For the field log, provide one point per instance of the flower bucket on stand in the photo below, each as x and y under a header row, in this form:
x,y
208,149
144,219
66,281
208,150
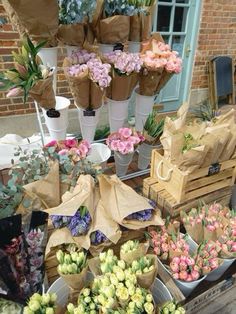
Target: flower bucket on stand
x,y
118,113
99,154
88,123
49,57
145,154
105,48
143,107
122,163
57,125
134,46
218,272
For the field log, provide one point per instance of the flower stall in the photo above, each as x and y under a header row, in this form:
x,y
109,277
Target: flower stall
x,y
75,235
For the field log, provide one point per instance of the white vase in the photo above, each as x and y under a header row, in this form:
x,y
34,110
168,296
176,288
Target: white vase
x,y
71,49
88,124
105,48
99,154
145,154
143,107
122,163
57,126
134,46
218,272
118,113
49,58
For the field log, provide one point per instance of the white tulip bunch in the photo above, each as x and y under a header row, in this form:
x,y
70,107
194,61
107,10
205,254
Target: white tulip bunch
x,y
41,304
129,247
86,304
171,308
107,261
142,266
71,263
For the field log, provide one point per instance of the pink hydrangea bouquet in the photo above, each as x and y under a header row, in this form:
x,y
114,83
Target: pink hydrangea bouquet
x,y
88,78
124,141
159,64
125,69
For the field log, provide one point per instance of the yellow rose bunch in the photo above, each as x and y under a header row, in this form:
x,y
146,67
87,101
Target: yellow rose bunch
x,y
41,304
86,304
142,266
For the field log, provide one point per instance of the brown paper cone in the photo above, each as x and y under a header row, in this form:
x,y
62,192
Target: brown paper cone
x,y
72,34
196,232
122,86
209,235
148,83
76,281
146,280
135,28
146,21
114,29
136,254
211,142
96,95
124,201
43,93
166,76
48,188
94,266
38,18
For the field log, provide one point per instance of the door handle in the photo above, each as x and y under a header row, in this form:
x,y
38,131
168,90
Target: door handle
x,y
187,50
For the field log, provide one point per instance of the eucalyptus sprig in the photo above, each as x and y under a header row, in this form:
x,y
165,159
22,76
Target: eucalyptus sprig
x,y
153,129
27,71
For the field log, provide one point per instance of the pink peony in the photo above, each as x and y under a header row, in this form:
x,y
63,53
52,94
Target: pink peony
x,y
83,149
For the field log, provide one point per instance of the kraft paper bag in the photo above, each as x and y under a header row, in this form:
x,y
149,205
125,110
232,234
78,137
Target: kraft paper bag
x,y
172,145
146,280
192,159
72,34
149,81
42,92
136,254
122,86
196,231
114,29
120,201
229,149
39,18
47,188
76,281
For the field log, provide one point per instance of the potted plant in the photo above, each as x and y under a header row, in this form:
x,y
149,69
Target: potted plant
x,y
152,131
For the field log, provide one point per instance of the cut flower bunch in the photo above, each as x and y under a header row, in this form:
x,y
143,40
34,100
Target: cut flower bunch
x,y
41,304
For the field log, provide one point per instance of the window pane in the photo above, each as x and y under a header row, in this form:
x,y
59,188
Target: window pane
x,y
166,38
178,44
180,19
166,0
163,18
182,1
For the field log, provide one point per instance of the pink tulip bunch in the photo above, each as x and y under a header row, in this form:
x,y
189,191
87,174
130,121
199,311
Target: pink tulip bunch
x,y
70,147
124,62
163,243
185,268
124,141
227,242
207,257
87,64
193,218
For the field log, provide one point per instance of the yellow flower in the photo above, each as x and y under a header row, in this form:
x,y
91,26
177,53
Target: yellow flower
x,y
137,297
27,310
123,294
114,280
34,305
120,275
149,308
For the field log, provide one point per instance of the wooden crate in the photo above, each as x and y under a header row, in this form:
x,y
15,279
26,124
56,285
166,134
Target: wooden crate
x,y
170,207
185,187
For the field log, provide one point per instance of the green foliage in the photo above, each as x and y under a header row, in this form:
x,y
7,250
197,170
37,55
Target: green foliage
x,y
205,112
153,128
189,143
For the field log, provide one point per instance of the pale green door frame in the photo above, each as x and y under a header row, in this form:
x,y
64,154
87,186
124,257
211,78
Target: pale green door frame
x,y
178,22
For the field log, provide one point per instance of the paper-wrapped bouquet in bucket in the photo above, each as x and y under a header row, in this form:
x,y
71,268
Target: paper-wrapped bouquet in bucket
x,y
88,79
29,77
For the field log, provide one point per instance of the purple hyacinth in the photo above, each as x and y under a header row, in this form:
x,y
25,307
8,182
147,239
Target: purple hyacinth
x,y
79,223
60,221
143,215
98,237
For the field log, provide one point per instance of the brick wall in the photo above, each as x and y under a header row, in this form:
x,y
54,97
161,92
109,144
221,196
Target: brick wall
x,y
217,36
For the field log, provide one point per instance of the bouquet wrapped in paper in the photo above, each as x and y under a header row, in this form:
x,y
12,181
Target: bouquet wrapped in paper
x,y
125,69
30,77
38,19
73,18
88,79
159,64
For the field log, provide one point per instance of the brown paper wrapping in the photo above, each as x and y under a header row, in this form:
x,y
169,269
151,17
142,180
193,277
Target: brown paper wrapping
x,y
119,201
196,232
76,281
146,280
140,27
221,261
72,34
43,93
47,188
166,76
86,93
209,235
136,254
94,266
192,159
39,19
148,82
229,149
122,86
114,29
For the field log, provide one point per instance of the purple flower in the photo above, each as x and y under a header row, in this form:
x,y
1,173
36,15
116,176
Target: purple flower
x,y
143,215
98,237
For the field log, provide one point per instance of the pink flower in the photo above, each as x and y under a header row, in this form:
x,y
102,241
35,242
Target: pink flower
x,y
190,261
214,263
183,266
125,132
83,149
189,278
175,276
51,144
174,267
182,258
176,260
210,227
71,143
165,247
63,152
157,251
195,275
14,92
183,275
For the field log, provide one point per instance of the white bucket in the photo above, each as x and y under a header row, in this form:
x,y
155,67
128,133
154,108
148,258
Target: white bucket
x,y
143,107
105,48
49,57
134,47
99,154
63,291
160,292
145,153
71,49
218,272
57,126
88,124
122,163
118,114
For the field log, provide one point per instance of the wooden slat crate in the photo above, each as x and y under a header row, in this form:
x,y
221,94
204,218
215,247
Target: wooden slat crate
x,y
185,187
169,206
